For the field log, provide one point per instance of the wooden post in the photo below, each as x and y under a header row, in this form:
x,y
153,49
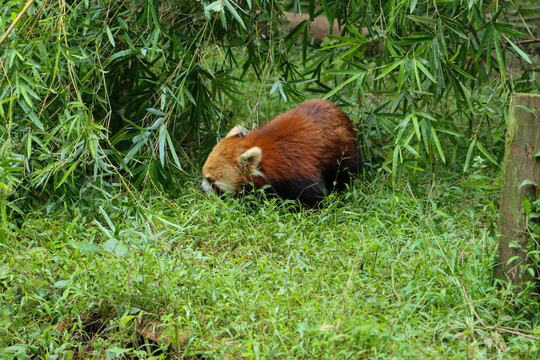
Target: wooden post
x,y
520,163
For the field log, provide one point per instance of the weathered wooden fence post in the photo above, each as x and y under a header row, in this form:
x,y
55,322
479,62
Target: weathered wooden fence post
x,y
520,163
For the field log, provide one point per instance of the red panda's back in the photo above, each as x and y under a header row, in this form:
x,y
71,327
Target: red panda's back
x,y
304,141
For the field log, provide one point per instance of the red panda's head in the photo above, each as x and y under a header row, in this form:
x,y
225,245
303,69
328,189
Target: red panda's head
x,y
230,165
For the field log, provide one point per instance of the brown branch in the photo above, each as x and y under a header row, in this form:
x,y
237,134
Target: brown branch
x,y
26,6
531,41
510,331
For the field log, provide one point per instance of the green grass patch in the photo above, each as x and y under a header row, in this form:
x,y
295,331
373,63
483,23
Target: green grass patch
x,y
376,273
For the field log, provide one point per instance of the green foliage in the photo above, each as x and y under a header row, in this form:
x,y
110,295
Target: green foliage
x,y
531,207
376,274
105,94
441,78
101,94
107,107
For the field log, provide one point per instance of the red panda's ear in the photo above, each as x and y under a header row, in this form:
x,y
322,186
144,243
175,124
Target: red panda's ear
x,y
251,157
237,130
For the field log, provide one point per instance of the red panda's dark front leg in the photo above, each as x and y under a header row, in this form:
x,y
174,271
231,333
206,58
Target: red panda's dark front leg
x,y
308,191
337,176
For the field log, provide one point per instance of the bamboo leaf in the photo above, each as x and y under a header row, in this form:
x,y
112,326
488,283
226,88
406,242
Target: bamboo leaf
x,y
519,51
525,108
449,132
426,116
411,149
357,34
161,140
125,54
31,114
454,26
108,220
423,20
486,153
412,6
282,92
155,41
110,35
155,112
486,39
395,163
469,154
460,71
216,6
234,13
415,39
343,84
327,11
388,68
507,29
172,150
426,72
223,19
438,144
424,128
512,259
417,76
416,127
156,123
401,76
274,87
67,173
350,53
500,57
22,89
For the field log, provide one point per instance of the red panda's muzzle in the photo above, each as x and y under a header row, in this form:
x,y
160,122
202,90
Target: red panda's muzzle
x,y
210,187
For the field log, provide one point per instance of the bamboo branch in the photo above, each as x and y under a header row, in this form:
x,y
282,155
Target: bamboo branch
x,y
26,6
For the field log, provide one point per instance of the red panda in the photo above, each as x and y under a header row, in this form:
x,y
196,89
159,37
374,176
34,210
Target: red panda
x,y
304,153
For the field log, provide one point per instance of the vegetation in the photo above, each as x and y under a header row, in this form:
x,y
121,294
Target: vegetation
x,y
108,250
101,94
374,274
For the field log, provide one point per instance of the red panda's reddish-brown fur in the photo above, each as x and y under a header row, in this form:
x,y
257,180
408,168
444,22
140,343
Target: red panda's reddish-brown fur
x,y
303,153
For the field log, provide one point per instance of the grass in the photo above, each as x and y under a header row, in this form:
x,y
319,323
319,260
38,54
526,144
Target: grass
x,y
376,273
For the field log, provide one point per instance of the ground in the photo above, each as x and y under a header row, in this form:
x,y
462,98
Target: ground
x,y
381,271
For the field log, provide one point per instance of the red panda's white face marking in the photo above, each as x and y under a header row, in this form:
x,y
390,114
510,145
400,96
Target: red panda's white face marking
x,y
219,173
210,186
228,166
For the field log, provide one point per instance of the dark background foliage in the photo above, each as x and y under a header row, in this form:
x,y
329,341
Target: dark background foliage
x,y
100,95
